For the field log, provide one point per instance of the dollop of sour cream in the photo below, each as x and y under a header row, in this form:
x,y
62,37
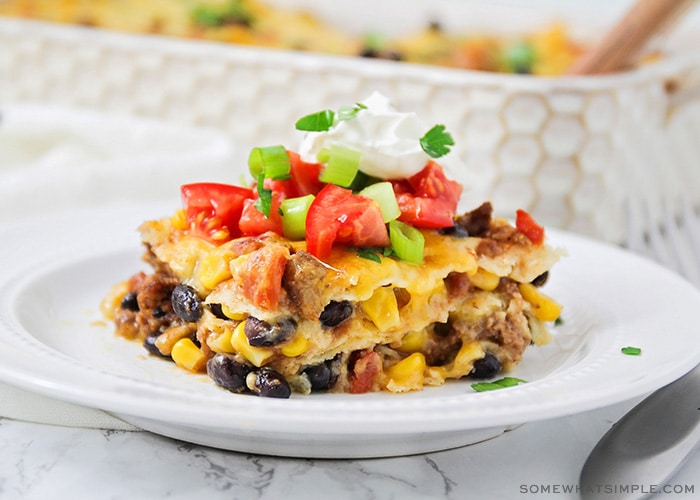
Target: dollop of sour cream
x,y
388,140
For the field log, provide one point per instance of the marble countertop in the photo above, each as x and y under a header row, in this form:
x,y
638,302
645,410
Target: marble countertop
x,y
539,459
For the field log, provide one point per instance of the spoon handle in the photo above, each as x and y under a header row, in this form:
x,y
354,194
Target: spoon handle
x,y
649,444
623,43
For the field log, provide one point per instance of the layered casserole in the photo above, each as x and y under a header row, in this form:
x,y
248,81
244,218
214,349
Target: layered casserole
x,y
343,267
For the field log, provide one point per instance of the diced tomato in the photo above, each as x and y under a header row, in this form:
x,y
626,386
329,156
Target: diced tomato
x,y
262,280
529,227
428,199
431,182
365,368
338,215
213,209
424,212
253,222
305,175
303,178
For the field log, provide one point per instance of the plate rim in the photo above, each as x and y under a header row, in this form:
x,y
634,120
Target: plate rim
x,y
137,400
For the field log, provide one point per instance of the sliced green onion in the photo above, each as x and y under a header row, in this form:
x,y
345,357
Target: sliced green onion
x,y
631,351
294,212
343,164
497,384
436,142
316,122
406,241
383,194
273,161
323,155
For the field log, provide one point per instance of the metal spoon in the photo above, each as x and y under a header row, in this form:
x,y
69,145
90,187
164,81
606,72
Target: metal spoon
x,y
643,450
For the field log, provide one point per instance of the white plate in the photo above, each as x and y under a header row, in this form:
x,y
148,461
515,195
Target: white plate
x,y
56,271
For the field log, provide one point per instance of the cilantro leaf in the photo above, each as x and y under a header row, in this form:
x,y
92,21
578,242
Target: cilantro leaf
x,y
369,254
436,142
350,112
316,122
264,201
497,384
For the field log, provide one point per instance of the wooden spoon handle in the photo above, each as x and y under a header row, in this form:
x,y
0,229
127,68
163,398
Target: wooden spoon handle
x,y
622,45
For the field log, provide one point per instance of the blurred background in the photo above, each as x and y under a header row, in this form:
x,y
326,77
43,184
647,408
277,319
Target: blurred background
x,y
580,152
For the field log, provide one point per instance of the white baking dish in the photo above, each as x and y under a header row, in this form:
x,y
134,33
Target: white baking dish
x,y
575,151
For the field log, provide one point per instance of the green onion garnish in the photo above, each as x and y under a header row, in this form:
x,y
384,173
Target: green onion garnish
x,y
436,142
383,194
294,212
520,57
212,16
497,384
350,112
272,161
264,201
631,351
406,241
342,166
316,122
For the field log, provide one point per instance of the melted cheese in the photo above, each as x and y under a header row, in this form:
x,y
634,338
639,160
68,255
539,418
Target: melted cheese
x,y
352,277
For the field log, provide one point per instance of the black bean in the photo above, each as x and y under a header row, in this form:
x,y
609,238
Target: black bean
x,y
271,384
226,371
456,231
442,329
335,313
217,311
541,279
320,376
130,302
149,344
369,52
186,304
263,334
195,339
158,312
486,367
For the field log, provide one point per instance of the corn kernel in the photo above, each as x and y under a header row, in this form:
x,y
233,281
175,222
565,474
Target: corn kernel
x,y
179,220
221,342
539,331
413,341
383,309
237,316
113,299
462,364
167,340
298,345
543,307
464,361
239,342
212,270
188,356
407,374
485,280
